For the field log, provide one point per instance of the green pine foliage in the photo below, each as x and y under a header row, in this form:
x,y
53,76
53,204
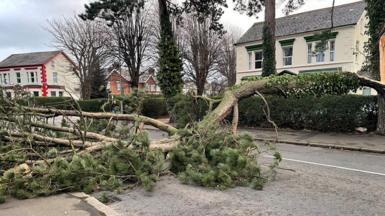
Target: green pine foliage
x,y
111,169
170,62
213,157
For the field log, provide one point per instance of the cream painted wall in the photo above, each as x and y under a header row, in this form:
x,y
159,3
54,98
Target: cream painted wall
x,y
344,55
59,64
360,40
66,76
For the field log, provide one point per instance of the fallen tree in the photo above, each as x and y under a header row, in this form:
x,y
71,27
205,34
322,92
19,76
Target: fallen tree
x,y
32,149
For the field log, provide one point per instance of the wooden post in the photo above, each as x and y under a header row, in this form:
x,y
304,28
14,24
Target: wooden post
x,y
382,58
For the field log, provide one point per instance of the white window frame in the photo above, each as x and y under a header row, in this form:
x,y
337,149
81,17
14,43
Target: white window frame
x,y
318,55
6,79
53,94
32,75
38,93
54,77
118,84
309,53
251,62
259,60
18,77
287,57
332,53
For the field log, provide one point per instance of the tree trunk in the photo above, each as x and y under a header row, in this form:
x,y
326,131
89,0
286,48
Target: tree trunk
x,y
381,114
200,83
269,61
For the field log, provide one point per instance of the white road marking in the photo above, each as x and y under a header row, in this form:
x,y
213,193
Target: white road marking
x,y
328,165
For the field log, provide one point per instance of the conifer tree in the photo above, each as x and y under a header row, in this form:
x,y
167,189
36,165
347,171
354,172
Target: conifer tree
x,y
170,62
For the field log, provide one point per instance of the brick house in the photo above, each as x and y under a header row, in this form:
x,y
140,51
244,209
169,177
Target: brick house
x,y
40,73
119,80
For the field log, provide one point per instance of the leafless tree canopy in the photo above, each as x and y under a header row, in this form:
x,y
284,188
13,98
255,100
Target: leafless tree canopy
x,y
132,41
227,62
202,51
85,41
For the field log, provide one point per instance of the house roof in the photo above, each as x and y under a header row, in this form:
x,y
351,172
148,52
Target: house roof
x,y
347,14
34,58
125,74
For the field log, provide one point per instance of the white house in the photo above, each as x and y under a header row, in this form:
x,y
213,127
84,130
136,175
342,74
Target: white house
x,y
297,37
40,73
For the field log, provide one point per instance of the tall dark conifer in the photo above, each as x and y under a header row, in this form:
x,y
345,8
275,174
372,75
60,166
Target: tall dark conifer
x,y
170,62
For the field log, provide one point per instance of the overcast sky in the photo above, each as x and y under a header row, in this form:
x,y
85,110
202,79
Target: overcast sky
x,y
23,22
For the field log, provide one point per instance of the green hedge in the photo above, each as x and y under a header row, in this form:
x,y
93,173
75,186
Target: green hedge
x,y
329,113
152,105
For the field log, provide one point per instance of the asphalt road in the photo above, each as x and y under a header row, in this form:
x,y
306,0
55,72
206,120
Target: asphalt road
x,y
312,181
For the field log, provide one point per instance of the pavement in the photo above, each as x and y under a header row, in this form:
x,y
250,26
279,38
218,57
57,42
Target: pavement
x,y
74,204
353,142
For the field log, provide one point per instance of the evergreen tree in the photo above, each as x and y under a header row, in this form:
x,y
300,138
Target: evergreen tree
x,y
170,62
99,84
376,16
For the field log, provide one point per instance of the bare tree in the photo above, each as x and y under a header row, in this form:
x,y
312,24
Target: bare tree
x,y
85,42
227,62
132,39
202,51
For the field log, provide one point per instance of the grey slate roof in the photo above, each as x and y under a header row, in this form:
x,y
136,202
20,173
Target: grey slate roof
x,y
34,58
347,14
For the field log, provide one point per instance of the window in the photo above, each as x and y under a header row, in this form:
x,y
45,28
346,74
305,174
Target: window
x,y
8,95
53,94
287,55
258,59
118,85
250,60
309,53
320,55
366,91
54,77
332,45
1,78
36,93
32,77
60,94
18,77
6,78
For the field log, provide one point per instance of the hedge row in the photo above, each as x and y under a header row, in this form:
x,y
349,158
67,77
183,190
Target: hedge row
x,y
152,106
329,113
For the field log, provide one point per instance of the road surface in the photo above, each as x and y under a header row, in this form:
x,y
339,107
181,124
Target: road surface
x,y
323,182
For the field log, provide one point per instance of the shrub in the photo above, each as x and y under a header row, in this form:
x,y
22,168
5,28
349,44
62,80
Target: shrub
x,y
187,109
154,106
328,113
